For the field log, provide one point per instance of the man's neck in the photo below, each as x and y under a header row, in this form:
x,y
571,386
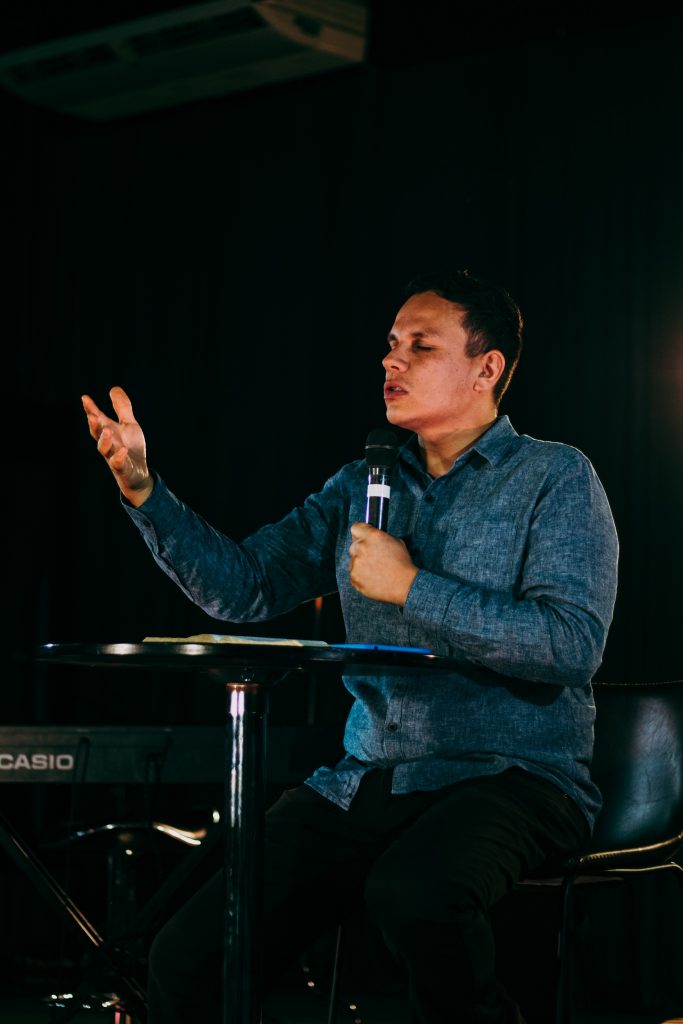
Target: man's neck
x,y
440,453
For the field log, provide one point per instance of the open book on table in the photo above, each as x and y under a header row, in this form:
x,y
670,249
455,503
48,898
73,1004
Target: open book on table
x,y
219,638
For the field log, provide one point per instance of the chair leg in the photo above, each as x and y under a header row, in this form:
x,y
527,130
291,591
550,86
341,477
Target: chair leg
x,y
336,972
565,953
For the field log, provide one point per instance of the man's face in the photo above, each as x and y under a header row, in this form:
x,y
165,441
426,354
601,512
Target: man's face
x,y
430,384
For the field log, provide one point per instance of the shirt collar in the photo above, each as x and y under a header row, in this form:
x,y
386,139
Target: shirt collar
x,y
494,442
492,445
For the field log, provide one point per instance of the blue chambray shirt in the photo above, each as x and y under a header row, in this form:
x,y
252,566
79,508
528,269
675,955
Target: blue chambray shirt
x,y
517,555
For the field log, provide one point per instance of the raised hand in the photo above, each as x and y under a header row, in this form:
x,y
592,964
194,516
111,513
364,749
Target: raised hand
x,y
122,443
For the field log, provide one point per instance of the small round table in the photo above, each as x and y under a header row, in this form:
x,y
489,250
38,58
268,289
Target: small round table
x,y
247,671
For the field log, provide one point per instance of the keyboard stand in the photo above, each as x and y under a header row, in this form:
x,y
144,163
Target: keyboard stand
x,y
109,956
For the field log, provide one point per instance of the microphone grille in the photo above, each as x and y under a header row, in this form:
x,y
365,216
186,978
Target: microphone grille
x,y
381,448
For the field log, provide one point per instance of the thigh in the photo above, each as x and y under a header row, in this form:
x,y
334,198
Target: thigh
x,y
316,858
478,839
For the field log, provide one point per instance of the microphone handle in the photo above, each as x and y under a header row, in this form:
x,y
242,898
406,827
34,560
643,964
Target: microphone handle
x,y
379,491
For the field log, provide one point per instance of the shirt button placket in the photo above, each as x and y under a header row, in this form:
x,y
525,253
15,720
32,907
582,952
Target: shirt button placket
x,y
392,738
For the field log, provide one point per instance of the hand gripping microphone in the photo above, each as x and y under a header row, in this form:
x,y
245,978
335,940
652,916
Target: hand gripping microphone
x,y
381,453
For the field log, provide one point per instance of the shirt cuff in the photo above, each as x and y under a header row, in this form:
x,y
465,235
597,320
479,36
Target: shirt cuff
x,y
426,604
159,514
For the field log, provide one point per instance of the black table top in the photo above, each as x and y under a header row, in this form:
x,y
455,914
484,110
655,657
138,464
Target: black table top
x,y
244,661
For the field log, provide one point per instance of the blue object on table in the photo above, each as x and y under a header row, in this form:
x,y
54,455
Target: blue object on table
x,y
384,647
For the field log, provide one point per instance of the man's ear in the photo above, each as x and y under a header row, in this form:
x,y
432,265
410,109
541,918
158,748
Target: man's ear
x,y
492,368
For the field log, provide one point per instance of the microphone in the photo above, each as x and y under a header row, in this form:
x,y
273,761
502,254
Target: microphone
x,y
381,453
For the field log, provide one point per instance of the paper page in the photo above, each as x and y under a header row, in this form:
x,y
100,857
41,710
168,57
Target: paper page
x,y
218,638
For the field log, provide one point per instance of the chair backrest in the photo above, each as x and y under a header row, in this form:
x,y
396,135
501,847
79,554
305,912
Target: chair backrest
x,y
638,763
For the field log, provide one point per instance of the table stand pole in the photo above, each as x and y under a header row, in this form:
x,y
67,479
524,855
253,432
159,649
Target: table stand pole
x,y
247,706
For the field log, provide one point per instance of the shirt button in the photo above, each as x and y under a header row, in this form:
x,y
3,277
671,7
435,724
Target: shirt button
x,y
392,726
429,499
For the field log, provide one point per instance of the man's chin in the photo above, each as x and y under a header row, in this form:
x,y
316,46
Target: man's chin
x,y
394,417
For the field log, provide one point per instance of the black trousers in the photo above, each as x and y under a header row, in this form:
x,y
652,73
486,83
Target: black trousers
x,y
429,865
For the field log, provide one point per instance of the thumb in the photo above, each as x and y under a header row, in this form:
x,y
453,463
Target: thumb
x,y
122,405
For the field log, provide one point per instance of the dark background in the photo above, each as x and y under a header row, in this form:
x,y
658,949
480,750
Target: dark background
x,y
235,265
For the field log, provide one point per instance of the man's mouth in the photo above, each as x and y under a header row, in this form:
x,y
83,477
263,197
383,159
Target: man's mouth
x,y
392,390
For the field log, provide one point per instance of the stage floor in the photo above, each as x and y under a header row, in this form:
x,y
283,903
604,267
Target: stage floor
x,y
285,1007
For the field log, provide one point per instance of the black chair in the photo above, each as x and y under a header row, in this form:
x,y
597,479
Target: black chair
x,y
638,765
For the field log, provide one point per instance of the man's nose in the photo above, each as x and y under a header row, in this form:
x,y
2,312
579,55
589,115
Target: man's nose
x,y
395,360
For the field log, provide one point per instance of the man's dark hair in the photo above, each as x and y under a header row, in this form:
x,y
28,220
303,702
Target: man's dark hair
x,y
492,318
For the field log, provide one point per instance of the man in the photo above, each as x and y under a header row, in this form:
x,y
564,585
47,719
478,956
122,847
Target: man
x,y
501,553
